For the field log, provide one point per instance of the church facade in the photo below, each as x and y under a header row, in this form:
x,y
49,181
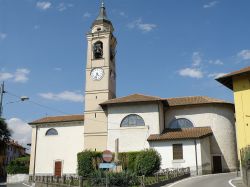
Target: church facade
x,y
196,132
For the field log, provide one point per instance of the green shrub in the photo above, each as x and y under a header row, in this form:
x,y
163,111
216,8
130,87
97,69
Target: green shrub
x,y
88,161
127,160
19,166
147,162
125,178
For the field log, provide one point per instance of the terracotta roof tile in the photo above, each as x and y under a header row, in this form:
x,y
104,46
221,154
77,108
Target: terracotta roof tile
x,y
132,99
53,119
194,100
227,79
175,134
170,101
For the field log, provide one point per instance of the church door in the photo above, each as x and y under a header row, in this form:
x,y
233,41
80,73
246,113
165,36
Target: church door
x,y
58,168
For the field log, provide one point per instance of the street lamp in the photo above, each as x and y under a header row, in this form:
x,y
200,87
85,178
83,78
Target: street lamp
x,y
2,91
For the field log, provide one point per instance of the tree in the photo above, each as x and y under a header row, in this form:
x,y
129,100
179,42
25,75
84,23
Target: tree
x,y
5,134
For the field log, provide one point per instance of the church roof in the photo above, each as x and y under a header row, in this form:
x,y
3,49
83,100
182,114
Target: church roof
x,y
194,100
188,133
227,80
53,119
132,99
177,101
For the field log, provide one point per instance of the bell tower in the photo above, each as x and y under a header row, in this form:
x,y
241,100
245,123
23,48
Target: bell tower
x,y
100,80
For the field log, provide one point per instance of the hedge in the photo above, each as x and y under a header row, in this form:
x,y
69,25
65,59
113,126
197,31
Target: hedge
x,y
88,162
245,156
142,162
147,162
19,166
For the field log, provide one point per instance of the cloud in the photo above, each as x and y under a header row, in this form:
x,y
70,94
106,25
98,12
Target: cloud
x,y
216,62
36,27
58,69
210,4
63,6
196,59
86,15
63,96
21,131
191,72
2,35
20,75
43,5
244,54
138,24
123,14
216,75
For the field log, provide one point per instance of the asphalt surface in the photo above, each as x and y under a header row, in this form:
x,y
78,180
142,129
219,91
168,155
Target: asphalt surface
x,y
13,185
217,180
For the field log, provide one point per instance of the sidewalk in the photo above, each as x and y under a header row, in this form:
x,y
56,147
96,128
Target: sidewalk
x,y
237,182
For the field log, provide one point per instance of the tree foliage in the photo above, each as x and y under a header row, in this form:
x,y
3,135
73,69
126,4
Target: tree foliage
x,y
19,166
5,134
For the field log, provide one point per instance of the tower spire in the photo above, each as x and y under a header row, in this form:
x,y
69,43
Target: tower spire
x,y
102,14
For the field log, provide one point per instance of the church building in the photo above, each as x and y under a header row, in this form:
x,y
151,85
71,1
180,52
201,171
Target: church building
x,y
196,132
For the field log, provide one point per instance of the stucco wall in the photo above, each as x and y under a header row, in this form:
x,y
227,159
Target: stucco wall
x,y
221,120
206,155
62,147
132,138
165,149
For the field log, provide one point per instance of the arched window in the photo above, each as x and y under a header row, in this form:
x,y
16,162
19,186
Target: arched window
x,y
180,124
132,120
51,132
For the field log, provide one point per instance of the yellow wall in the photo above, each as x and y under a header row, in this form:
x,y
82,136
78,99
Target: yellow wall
x,y
241,86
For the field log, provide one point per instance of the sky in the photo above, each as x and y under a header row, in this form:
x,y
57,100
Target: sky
x,y
166,48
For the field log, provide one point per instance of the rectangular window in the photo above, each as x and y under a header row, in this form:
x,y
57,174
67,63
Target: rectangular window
x,y
177,152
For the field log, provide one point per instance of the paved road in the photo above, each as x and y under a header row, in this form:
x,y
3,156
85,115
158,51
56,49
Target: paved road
x,y
13,185
218,180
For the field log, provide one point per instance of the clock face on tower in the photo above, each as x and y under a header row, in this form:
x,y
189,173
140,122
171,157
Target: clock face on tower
x,y
97,74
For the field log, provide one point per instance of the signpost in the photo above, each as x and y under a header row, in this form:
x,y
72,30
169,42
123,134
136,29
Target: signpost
x,y
107,156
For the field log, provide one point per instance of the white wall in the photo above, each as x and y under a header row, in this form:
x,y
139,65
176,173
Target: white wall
x,y
64,147
206,155
132,138
221,120
165,149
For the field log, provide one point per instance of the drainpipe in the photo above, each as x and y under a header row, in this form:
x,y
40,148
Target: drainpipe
x,y
196,159
34,164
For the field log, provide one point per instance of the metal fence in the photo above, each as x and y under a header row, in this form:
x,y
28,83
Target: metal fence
x,y
160,178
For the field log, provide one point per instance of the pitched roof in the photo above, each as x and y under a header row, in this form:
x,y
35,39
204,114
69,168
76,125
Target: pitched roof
x,y
227,80
194,100
177,101
53,119
188,133
132,99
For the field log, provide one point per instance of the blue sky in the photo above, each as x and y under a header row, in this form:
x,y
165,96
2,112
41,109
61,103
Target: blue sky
x,y
166,48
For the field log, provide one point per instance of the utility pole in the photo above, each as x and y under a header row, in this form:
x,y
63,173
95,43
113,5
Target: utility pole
x,y
1,98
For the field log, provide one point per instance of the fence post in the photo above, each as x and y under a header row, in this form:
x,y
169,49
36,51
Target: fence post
x,y
143,181
80,181
64,179
71,181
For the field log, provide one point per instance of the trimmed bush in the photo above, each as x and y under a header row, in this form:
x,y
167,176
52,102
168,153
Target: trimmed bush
x,y
147,162
88,162
128,160
19,166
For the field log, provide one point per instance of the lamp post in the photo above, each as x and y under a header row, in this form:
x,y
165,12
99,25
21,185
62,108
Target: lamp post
x,y
2,91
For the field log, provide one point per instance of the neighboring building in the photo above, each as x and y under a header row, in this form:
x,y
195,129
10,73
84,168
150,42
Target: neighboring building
x,y
13,151
190,131
239,82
